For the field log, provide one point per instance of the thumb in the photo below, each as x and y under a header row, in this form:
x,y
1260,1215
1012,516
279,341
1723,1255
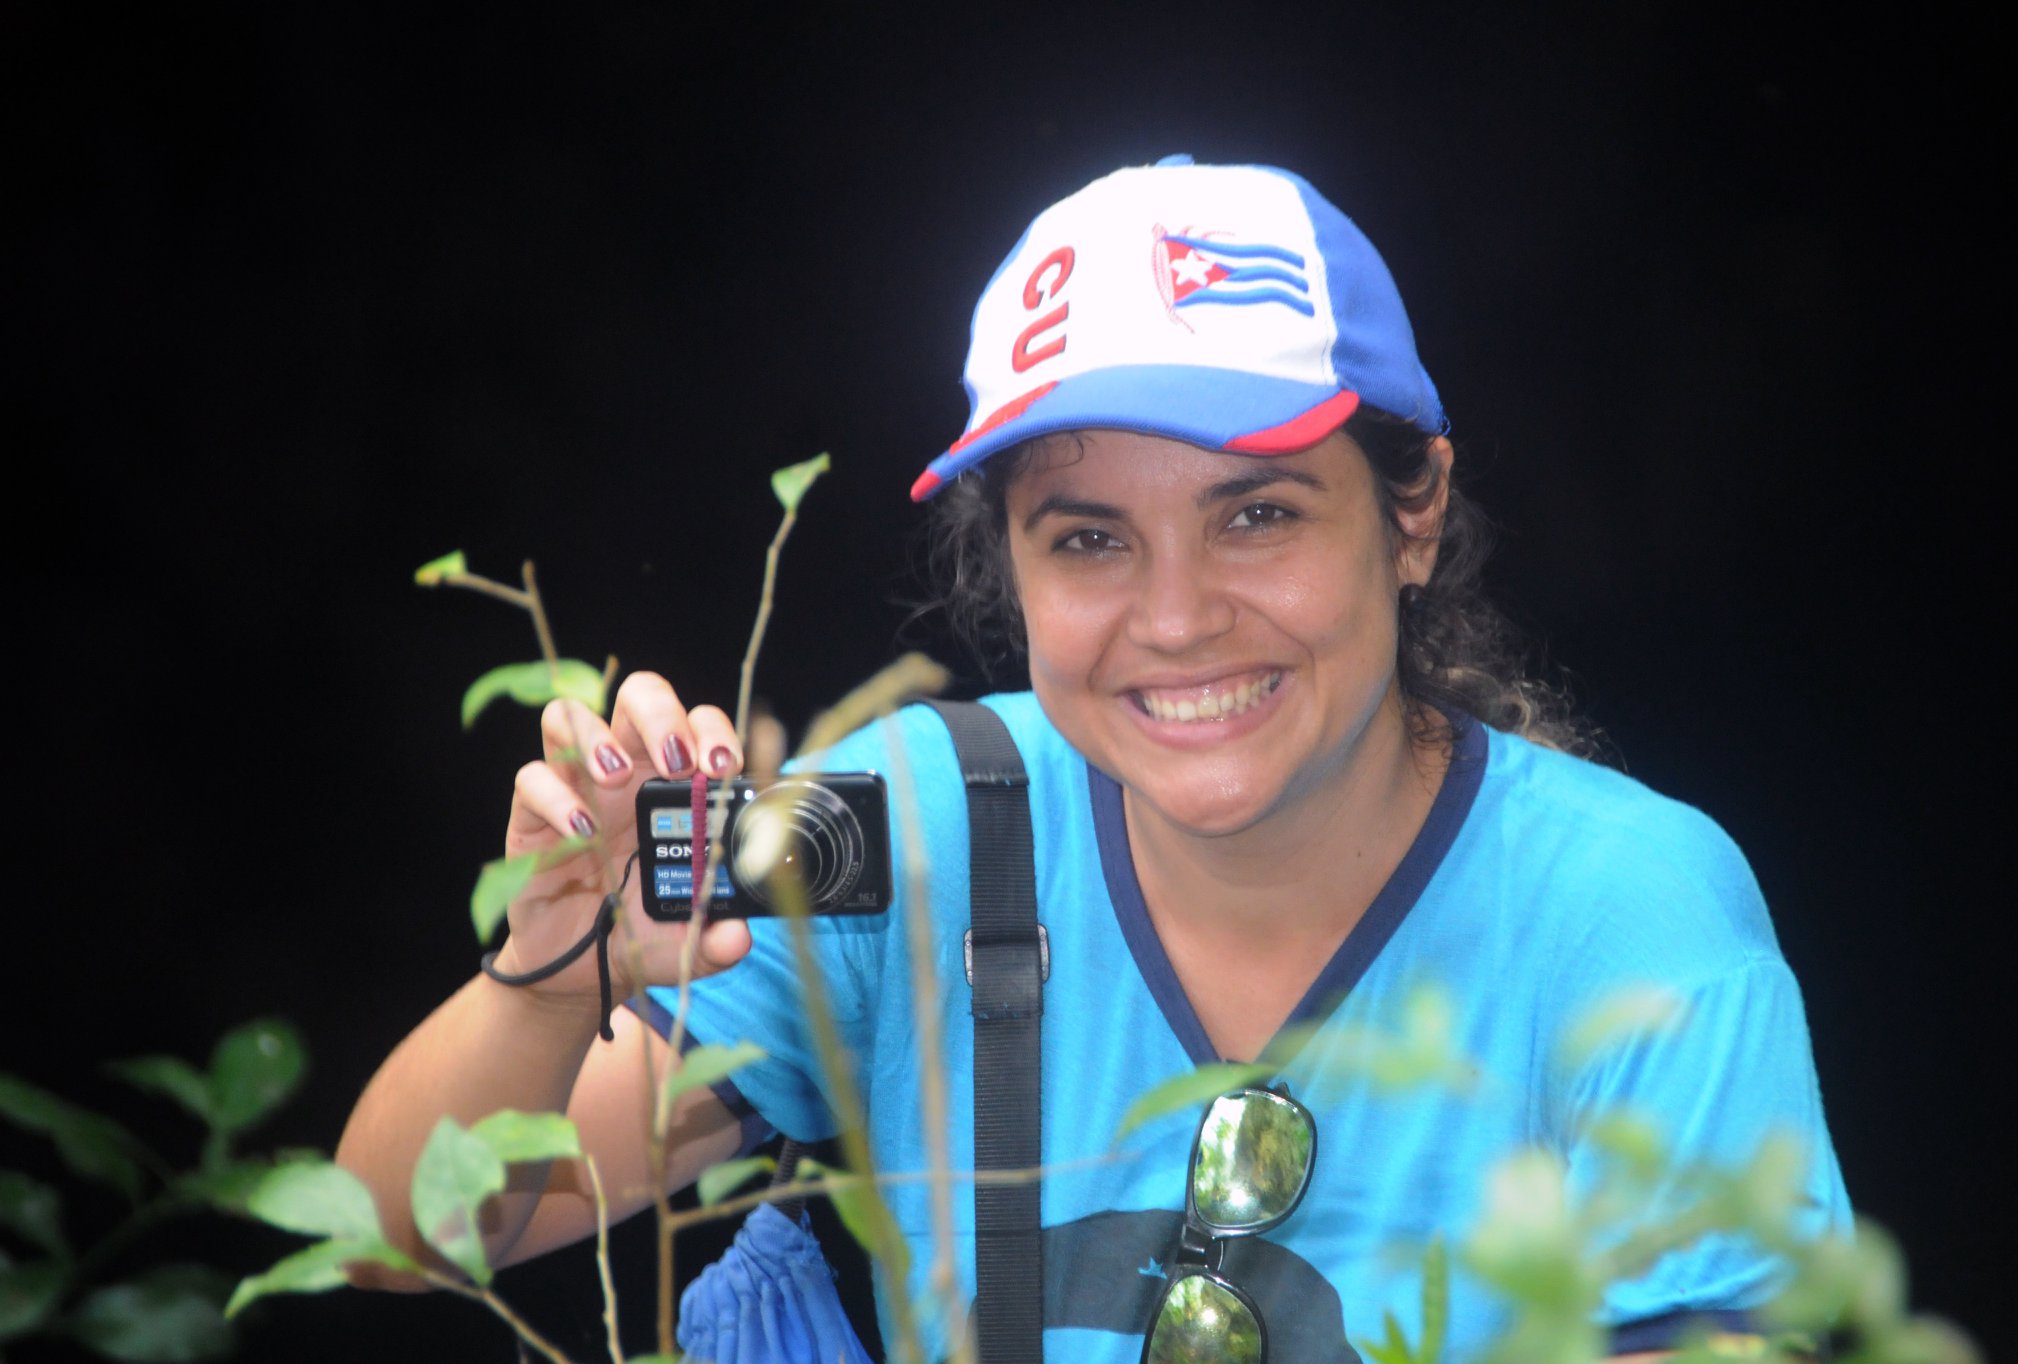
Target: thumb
x,y
724,942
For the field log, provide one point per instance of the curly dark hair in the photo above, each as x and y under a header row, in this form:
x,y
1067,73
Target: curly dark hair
x,y
1457,652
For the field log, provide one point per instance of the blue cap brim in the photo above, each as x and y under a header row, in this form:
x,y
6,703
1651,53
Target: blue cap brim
x,y
1216,409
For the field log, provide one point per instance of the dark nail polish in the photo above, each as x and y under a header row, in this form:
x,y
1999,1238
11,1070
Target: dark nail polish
x,y
582,824
609,759
677,760
719,760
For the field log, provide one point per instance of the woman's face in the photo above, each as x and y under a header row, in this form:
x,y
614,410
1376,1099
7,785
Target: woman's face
x,y
1215,631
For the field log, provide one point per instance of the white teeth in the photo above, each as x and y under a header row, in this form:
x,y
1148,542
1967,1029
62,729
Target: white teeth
x,y
1221,706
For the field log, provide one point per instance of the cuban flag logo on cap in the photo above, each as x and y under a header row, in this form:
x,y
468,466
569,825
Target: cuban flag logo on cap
x,y
1194,269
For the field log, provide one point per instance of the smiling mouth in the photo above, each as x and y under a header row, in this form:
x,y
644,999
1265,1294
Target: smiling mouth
x,y
1214,701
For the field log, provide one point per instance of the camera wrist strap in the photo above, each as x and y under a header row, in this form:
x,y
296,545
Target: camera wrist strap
x,y
598,937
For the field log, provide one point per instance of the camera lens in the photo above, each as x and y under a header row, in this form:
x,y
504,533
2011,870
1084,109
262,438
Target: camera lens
x,y
800,829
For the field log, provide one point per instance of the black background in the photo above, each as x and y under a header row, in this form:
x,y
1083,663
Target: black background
x,y
296,301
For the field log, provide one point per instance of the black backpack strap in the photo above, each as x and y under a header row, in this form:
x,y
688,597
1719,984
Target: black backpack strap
x,y
1008,959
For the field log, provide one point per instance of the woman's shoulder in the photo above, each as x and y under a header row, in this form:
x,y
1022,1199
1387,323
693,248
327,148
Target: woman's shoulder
x,y
1627,869
928,745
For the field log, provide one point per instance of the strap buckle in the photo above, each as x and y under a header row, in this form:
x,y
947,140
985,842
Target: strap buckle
x,y
1043,954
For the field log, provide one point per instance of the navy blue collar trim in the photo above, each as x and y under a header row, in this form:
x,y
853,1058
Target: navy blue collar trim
x,y
1117,864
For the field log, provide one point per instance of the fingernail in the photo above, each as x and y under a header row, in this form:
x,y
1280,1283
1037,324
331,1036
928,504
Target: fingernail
x,y
677,759
719,760
582,824
609,759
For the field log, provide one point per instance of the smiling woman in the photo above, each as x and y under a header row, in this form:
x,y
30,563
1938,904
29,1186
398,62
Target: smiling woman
x,y
1281,771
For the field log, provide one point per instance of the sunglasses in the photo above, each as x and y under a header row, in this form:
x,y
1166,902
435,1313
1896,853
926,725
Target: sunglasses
x,y
1250,1164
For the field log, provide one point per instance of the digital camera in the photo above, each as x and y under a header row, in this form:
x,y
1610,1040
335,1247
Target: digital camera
x,y
830,832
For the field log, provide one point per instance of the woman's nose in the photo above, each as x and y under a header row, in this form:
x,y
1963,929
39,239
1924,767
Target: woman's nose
x,y
1179,605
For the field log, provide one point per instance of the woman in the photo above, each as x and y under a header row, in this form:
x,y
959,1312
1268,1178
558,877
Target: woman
x,y
1281,781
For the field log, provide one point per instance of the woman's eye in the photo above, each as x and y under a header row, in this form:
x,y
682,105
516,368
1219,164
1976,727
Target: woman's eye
x,y
1088,541
1258,514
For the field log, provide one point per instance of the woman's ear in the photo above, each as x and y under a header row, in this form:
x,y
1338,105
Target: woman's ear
x,y
1419,515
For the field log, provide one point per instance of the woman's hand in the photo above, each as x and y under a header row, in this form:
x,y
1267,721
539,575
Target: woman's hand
x,y
585,787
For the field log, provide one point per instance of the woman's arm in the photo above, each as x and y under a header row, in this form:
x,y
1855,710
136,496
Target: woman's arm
x,y
535,1048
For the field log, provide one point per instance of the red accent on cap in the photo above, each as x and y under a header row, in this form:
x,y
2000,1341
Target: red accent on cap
x,y
926,484
1299,433
1008,412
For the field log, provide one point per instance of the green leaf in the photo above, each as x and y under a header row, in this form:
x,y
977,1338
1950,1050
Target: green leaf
x,y
1634,1012
497,885
514,1137
1527,1244
1421,1048
28,1293
456,1172
316,1198
534,684
435,571
1193,1089
92,1146
1391,1350
1435,1300
790,483
171,1077
33,1211
169,1315
854,1200
254,1069
1631,1139
500,881
228,1187
705,1065
317,1269
719,1181
1878,1277
864,1214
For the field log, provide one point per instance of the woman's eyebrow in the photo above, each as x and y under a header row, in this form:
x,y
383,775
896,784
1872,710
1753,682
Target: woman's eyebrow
x,y
1058,504
1254,481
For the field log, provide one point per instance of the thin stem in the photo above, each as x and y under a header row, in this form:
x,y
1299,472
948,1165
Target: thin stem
x,y
603,1260
704,881
826,1184
931,1055
846,1103
488,587
540,626
520,1326
763,618
109,1246
911,676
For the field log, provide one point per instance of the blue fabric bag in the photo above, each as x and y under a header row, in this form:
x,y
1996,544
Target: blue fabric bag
x,y
769,1300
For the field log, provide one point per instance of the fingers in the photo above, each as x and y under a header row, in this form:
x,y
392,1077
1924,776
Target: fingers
x,y
545,807
651,725
715,741
575,736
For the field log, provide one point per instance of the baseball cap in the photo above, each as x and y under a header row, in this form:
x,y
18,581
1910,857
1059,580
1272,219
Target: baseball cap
x,y
1230,307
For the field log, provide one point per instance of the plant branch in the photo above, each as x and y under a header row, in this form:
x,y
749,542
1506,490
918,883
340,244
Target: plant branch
x,y
893,684
931,1055
603,1260
846,1102
826,1184
538,610
488,587
520,1326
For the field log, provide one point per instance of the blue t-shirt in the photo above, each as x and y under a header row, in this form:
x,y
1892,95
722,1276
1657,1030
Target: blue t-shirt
x,y
1540,888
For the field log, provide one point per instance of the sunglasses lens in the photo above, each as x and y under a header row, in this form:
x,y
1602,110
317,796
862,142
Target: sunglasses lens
x,y
1253,1160
1203,1322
